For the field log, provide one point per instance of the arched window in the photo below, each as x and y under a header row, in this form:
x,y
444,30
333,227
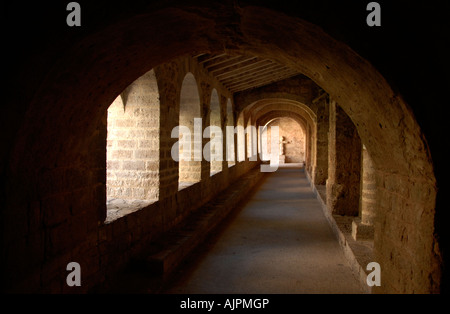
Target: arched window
x,y
133,147
190,133
215,134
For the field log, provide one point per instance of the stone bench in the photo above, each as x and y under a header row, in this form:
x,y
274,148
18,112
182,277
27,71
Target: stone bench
x,y
175,245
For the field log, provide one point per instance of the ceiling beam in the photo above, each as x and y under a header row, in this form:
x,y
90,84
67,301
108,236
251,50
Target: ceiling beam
x,y
281,73
230,63
219,60
253,74
249,66
261,82
208,57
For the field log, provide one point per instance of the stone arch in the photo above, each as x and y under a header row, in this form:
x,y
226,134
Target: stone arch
x,y
264,106
264,119
298,110
75,95
270,116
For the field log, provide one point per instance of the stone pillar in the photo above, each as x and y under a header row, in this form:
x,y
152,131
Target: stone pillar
x,y
344,164
169,118
282,156
223,125
309,139
206,122
321,170
362,227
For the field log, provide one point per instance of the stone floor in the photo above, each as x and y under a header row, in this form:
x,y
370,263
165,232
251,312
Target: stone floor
x,y
278,242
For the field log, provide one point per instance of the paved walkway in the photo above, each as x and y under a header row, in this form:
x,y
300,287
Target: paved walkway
x,y
279,242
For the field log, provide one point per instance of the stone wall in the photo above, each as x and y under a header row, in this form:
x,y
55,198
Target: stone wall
x,y
126,238
77,229
133,142
320,174
403,228
344,164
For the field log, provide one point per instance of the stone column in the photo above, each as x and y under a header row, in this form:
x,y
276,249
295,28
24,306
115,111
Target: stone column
x,y
320,173
362,227
309,139
344,164
205,165
169,118
223,126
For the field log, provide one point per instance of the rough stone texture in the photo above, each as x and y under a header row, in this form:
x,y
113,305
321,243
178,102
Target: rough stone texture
x,y
368,201
402,225
344,164
62,80
358,253
216,121
320,172
361,231
133,142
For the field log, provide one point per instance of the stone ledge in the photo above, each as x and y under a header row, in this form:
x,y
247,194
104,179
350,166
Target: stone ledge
x,y
358,253
150,269
361,231
172,247
117,208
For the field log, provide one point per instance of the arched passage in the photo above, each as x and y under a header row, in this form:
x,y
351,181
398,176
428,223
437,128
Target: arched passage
x,y
292,137
75,96
265,105
266,109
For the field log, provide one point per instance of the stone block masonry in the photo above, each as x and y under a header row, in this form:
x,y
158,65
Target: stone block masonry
x,y
133,142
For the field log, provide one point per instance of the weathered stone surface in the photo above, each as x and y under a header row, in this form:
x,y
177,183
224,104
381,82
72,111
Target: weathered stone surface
x,y
62,82
344,164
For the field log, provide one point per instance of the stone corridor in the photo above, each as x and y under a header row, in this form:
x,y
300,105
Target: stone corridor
x,y
126,141
278,242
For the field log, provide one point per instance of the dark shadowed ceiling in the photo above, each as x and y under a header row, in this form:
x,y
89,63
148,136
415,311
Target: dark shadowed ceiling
x,y
240,72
